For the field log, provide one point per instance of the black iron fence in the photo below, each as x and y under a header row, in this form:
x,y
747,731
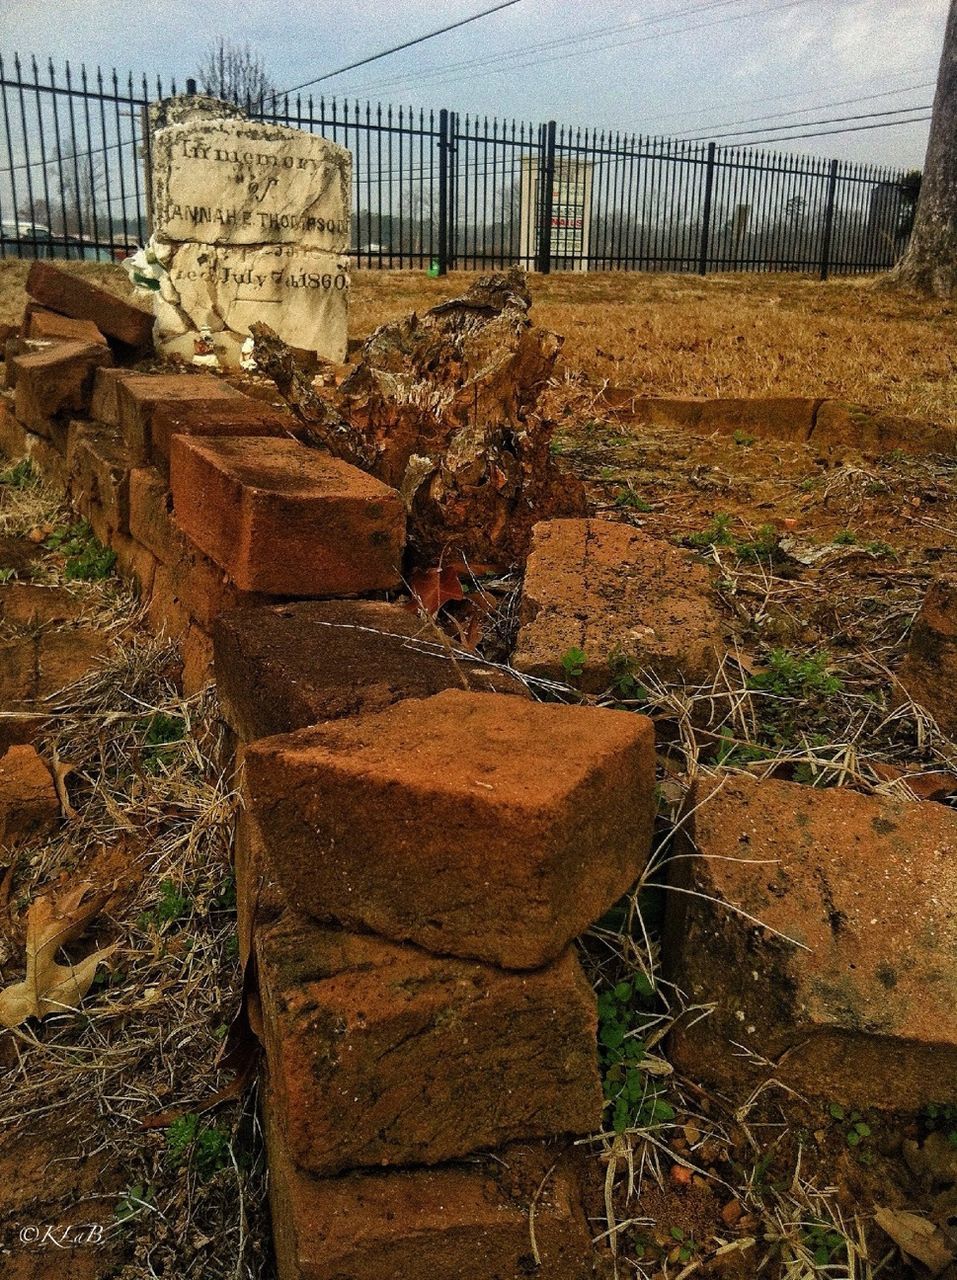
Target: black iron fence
x,y
438,190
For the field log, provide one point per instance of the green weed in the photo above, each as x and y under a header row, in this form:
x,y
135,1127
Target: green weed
x,y
628,500
86,559
132,1202
573,662
206,1148
631,1094
790,675
171,908
825,1243
20,476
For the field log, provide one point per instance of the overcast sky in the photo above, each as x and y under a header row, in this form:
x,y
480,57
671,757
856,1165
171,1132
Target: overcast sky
x,y
702,67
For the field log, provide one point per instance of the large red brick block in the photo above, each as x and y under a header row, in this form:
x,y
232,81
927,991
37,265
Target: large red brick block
x,y
28,799
458,1222
283,667
287,520
241,416
99,468
629,602
74,296
140,395
473,824
104,406
381,1054
47,326
822,927
928,673
56,381
188,583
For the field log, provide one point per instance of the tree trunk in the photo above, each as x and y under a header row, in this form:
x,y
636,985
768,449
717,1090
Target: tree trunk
x,y
930,261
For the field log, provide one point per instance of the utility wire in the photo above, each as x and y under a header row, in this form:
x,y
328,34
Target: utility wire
x,y
775,97
800,124
577,39
819,106
430,35
486,64
857,128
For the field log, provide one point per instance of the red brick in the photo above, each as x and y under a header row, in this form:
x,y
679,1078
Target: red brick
x,y
18,671
502,828
47,326
74,296
283,667
259,896
26,604
459,1222
840,426
67,655
284,519
103,403
140,395
383,1055
192,579
928,673
56,381
627,601
823,929
100,476
239,417
28,799
14,440
196,651
134,562
165,612
775,417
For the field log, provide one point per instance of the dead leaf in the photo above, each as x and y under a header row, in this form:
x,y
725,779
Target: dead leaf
x,y
917,1237
50,987
432,588
61,771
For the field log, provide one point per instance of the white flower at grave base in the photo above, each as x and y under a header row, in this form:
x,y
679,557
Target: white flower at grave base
x,y
145,267
247,355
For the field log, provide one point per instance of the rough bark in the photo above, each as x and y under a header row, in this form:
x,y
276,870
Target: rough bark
x,y
443,407
930,261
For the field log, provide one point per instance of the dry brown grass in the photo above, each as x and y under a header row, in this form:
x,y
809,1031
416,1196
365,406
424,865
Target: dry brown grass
x,y
746,335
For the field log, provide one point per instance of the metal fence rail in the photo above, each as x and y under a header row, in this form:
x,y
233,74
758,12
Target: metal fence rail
x,y
433,188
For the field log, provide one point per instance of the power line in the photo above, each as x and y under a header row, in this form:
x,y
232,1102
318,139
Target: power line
x,y
430,35
800,124
489,64
858,128
577,38
820,106
777,97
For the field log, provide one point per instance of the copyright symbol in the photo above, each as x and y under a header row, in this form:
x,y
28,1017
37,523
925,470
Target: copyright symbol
x,y
29,1235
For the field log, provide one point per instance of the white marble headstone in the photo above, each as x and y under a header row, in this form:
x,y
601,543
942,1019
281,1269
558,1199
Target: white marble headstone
x,y
251,222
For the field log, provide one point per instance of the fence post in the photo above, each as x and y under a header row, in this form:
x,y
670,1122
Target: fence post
x,y
453,188
546,167
828,220
443,191
706,213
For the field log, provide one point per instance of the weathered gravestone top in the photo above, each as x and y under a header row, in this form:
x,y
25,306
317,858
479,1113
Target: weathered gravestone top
x,y
251,222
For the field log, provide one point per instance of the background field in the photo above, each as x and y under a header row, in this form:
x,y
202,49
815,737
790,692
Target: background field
x,y
693,335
